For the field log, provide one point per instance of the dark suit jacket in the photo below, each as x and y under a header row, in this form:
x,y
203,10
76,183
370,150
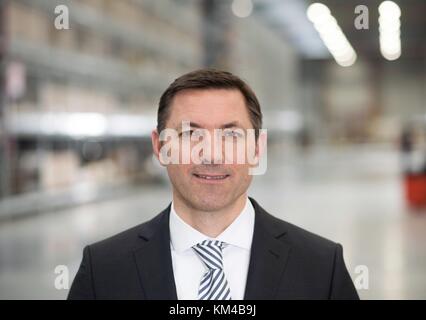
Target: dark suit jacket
x,y
286,262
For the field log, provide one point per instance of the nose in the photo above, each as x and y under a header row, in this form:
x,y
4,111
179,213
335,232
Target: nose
x,y
212,151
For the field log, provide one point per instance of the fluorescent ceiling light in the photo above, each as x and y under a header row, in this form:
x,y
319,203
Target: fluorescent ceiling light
x,y
331,34
390,30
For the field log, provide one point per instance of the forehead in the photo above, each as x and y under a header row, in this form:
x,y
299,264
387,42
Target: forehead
x,y
210,107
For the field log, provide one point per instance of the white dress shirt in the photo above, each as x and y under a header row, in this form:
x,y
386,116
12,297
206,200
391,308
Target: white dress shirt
x,y
188,268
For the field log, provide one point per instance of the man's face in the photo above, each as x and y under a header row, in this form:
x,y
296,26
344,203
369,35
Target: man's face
x,y
209,186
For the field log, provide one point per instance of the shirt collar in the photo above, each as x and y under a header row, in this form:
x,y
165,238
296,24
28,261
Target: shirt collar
x,y
239,233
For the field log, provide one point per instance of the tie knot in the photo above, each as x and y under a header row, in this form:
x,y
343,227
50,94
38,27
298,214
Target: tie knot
x,y
210,252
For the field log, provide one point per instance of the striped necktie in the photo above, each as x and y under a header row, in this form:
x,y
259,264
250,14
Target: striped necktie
x,y
213,285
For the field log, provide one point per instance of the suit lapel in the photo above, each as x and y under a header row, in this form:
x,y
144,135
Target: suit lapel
x,y
268,257
154,261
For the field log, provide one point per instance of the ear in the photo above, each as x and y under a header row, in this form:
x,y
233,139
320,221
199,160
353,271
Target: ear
x,y
156,143
261,143
261,154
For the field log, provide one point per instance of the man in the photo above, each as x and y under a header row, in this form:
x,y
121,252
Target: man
x,y
212,241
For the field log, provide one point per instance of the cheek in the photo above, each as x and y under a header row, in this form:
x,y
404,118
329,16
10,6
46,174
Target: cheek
x,y
241,172
178,173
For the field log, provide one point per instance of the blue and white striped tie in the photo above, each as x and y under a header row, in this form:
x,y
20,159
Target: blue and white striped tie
x,y
213,285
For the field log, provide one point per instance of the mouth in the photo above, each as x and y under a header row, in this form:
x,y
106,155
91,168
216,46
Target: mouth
x,y
211,177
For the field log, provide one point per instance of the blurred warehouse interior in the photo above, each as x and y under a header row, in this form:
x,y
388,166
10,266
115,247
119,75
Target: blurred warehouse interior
x,y
78,105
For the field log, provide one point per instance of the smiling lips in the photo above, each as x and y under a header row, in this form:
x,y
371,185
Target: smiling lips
x,y
211,177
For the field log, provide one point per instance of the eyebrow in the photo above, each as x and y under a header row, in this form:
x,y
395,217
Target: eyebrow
x,y
225,126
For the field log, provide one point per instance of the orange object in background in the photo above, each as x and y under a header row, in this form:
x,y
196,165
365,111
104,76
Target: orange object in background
x,y
415,190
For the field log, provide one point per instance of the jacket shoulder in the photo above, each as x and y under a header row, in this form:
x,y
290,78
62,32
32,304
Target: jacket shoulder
x,y
131,238
296,236
301,237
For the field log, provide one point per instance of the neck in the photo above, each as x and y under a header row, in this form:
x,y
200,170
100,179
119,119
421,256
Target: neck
x,y
209,223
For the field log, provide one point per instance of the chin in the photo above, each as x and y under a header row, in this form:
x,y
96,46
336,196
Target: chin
x,y
209,203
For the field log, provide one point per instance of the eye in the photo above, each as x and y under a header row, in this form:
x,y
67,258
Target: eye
x,y
197,133
232,133
187,133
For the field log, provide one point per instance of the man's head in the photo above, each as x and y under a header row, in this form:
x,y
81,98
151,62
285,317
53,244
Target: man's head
x,y
209,99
